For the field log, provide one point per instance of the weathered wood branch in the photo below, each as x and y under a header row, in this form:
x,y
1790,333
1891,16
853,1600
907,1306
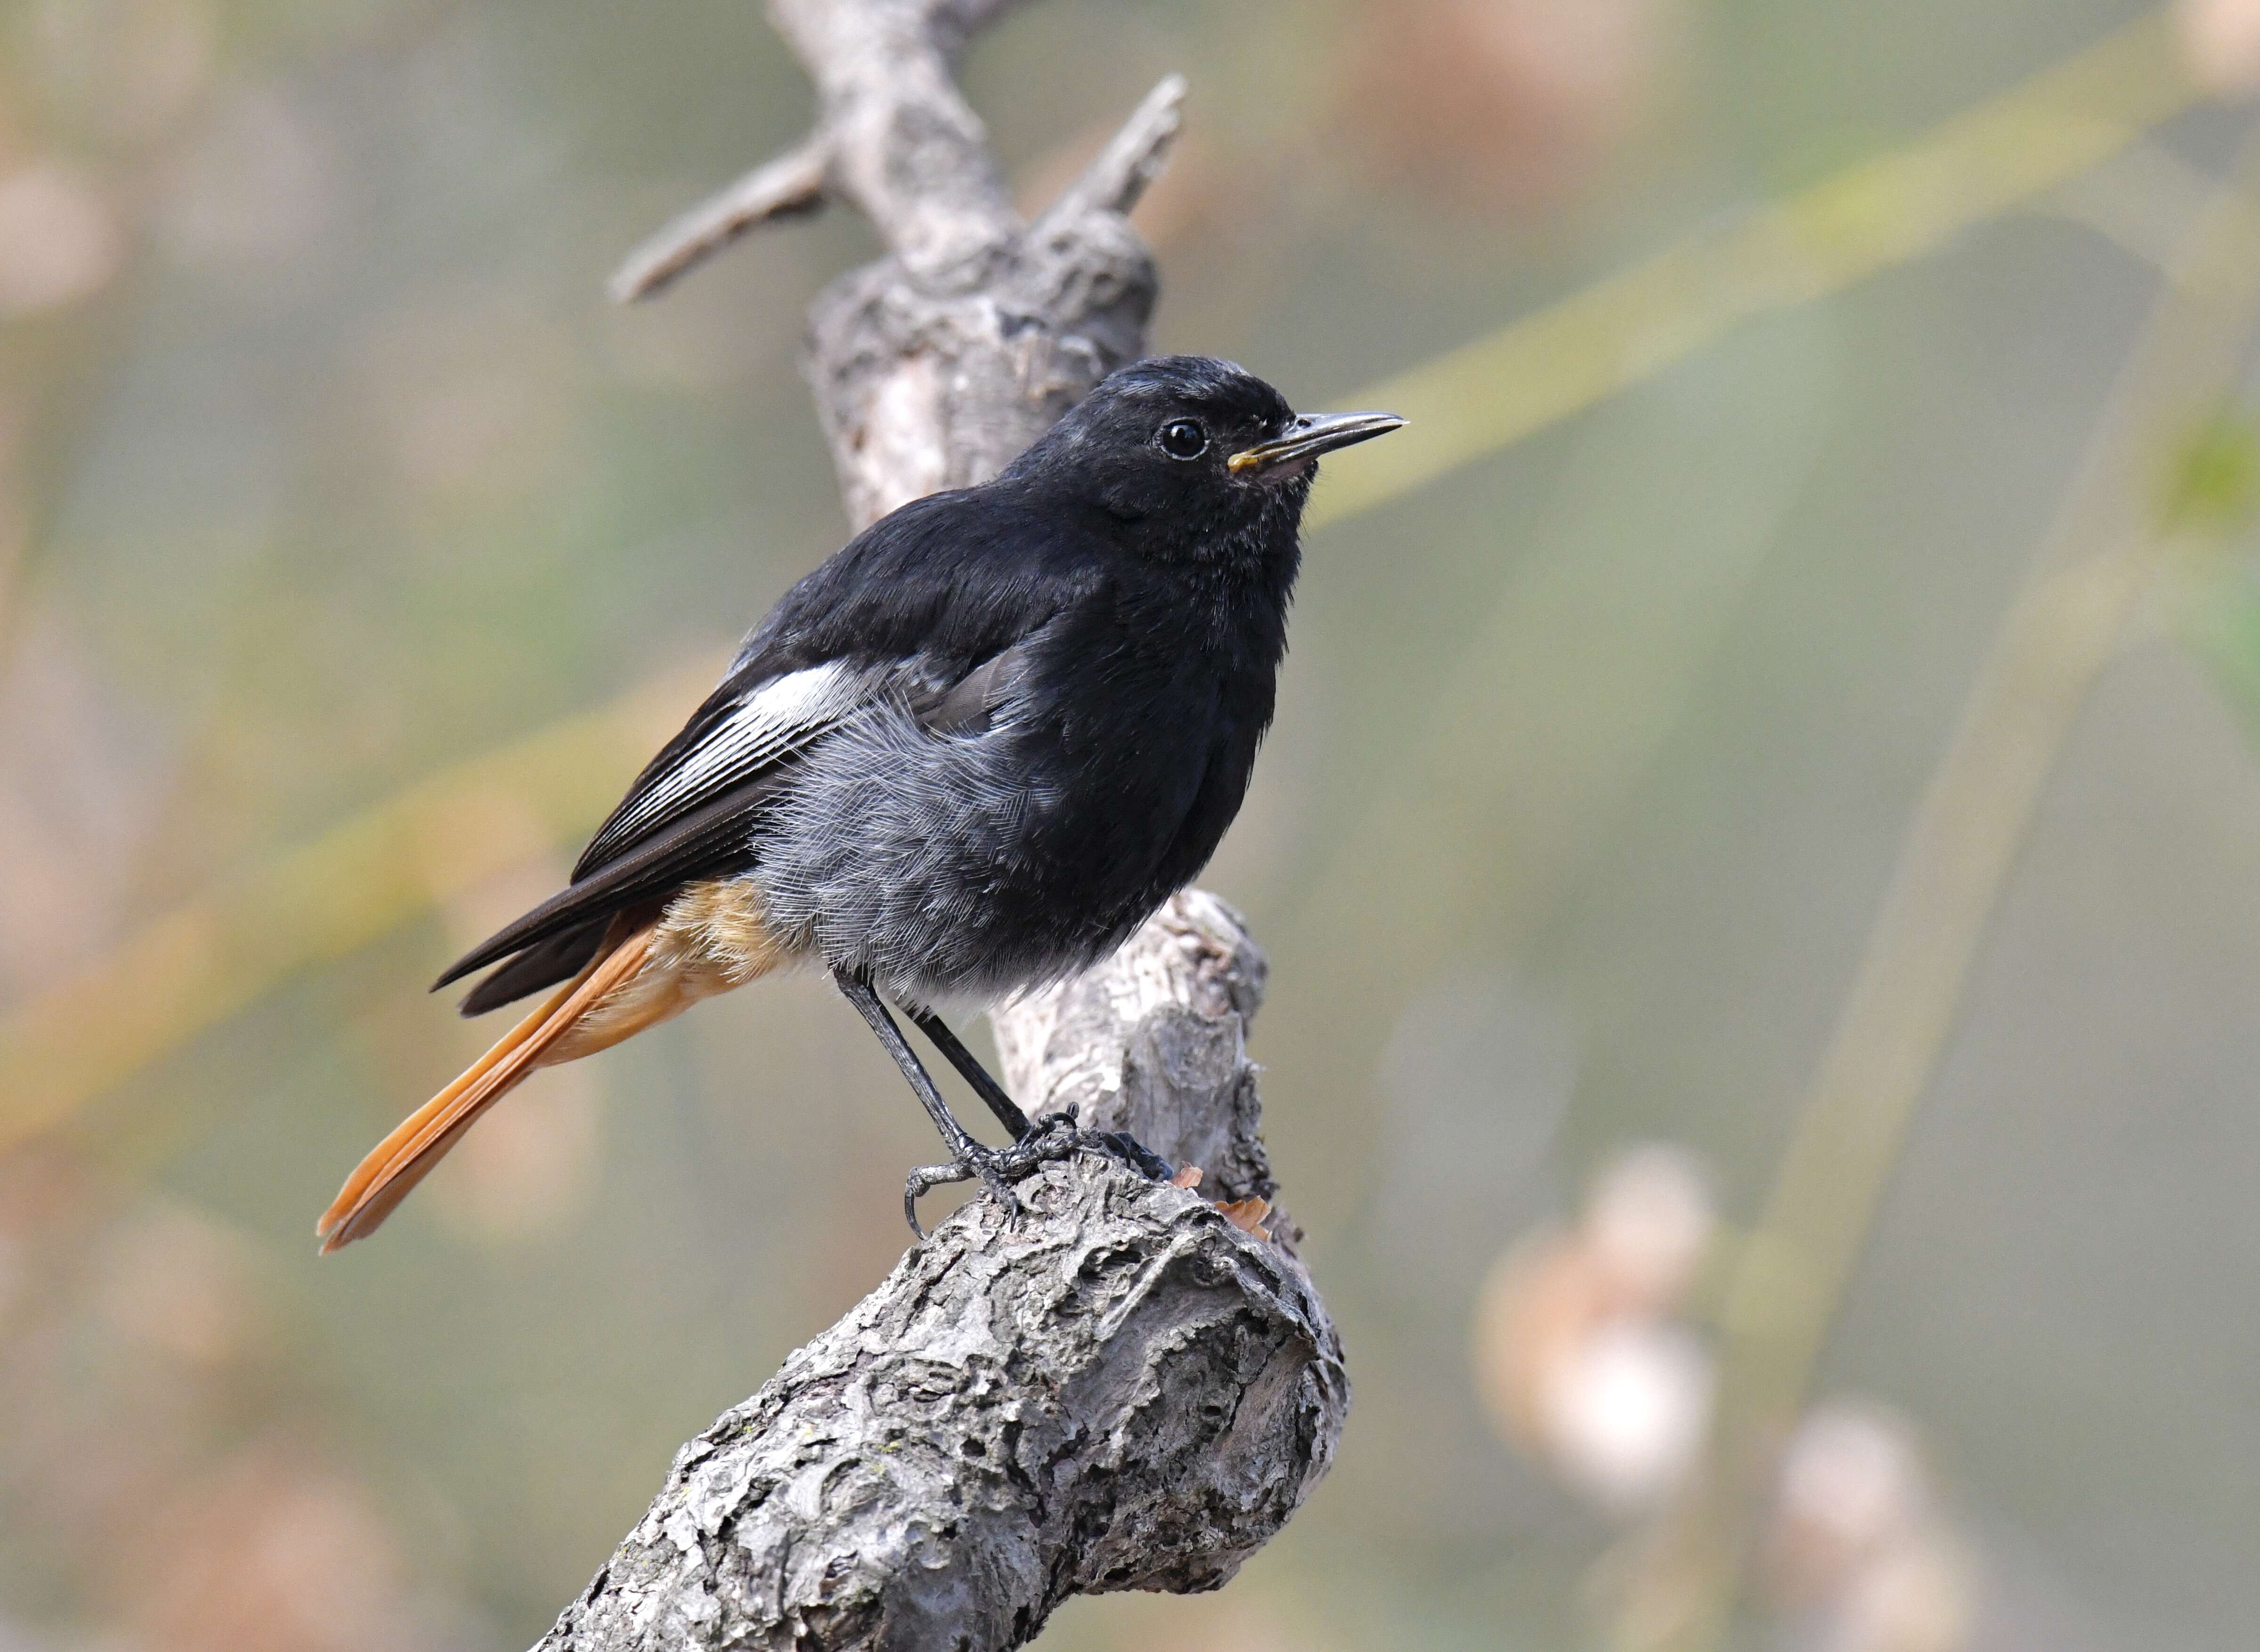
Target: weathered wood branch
x,y
934,366
1122,1389
1130,1385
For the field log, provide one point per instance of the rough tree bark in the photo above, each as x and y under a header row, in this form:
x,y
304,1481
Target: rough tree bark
x,y
1132,1386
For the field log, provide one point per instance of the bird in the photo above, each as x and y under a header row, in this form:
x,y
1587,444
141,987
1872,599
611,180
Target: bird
x,y
965,756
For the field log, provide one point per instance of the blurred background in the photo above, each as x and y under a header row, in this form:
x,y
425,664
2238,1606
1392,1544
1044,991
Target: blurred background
x,y
353,552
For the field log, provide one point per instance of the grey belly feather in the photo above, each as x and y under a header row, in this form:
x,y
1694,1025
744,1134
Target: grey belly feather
x,y
920,857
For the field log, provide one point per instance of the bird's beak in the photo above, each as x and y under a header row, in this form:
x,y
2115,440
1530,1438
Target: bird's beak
x,y
1308,436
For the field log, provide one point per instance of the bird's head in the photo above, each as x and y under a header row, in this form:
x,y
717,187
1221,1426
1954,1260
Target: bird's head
x,y
1199,454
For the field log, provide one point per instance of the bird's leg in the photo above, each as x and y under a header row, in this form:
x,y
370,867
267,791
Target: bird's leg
x,y
1118,1144
994,1169
966,1152
992,1093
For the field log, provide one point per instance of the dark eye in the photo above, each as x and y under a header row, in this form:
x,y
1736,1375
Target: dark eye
x,y
1181,438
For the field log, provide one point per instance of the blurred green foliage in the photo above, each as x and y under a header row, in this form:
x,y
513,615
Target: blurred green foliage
x,y
2214,480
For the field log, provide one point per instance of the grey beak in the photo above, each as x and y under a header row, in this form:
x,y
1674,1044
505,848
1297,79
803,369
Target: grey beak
x,y
1308,436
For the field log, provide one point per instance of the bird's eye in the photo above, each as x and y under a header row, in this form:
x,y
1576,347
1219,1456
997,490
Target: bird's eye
x,y
1181,438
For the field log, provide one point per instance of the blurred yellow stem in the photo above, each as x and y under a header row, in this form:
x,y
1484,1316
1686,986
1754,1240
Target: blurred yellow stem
x,y
204,962
2101,558
1890,211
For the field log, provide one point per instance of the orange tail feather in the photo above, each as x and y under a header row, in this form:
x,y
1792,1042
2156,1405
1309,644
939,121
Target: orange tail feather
x,y
402,1159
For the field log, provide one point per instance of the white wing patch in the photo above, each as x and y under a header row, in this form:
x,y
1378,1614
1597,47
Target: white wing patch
x,y
774,719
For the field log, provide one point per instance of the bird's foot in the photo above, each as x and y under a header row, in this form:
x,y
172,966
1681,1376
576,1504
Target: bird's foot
x,y
1119,1145
1055,1135
1122,1145
997,1169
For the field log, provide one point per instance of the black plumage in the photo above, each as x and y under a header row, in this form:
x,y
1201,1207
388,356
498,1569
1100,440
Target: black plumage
x,y
979,745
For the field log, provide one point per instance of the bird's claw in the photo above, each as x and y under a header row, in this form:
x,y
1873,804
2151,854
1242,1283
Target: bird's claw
x,y
1119,1145
1138,1155
1055,1135
995,1169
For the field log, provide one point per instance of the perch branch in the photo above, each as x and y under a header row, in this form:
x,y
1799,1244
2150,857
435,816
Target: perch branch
x,y
1131,1385
1121,1390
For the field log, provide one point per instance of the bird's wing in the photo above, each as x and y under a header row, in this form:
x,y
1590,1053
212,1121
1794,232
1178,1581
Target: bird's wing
x,y
969,705
694,812
544,964
690,815
915,610
740,731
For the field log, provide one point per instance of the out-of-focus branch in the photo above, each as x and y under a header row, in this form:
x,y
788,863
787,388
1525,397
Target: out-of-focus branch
x,y
792,183
2103,555
926,370
67,1045
1128,1386
893,138
1118,174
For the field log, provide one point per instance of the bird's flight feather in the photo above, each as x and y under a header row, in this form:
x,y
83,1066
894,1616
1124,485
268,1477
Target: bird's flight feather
x,y
761,725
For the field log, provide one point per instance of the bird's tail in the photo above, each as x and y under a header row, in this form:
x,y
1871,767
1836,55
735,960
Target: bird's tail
x,y
403,1158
